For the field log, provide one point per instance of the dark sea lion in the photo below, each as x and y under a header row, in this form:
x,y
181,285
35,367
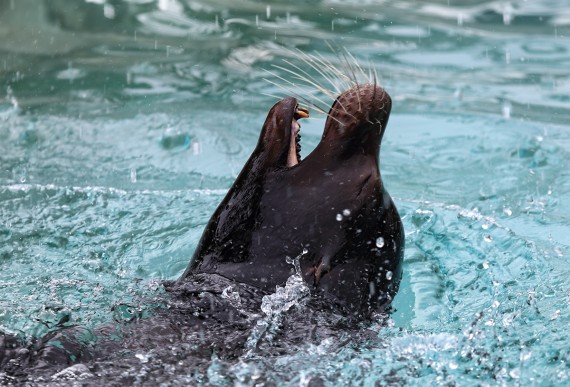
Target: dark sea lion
x,y
331,209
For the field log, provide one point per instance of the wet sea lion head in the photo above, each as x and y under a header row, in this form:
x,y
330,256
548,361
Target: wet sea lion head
x,y
357,120
330,210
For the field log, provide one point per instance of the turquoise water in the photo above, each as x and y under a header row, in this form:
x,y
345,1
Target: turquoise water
x,y
123,123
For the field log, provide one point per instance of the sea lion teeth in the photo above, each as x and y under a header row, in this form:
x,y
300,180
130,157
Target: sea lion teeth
x,y
301,113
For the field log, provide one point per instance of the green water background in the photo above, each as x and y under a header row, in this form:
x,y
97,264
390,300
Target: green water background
x,y
123,123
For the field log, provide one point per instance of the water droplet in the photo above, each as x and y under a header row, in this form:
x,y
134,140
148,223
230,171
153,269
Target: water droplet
x,y
488,238
507,14
506,109
109,11
453,366
379,242
508,211
196,148
142,357
305,251
268,12
496,304
484,226
346,212
460,18
133,175
515,373
338,217
486,265
389,275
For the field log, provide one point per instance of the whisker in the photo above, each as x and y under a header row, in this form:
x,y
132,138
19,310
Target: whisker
x,y
350,68
376,80
343,108
309,81
356,63
355,80
334,71
292,84
308,59
343,64
272,96
296,95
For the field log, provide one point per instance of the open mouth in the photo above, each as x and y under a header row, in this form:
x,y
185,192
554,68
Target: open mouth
x,y
294,154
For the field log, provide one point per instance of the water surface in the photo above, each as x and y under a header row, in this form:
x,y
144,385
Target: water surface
x,y
124,122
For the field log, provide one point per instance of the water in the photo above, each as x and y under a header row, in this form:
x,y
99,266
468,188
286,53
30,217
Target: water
x,y
123,123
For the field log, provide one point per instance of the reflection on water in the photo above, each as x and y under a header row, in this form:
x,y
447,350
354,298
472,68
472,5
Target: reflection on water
x,y
123,123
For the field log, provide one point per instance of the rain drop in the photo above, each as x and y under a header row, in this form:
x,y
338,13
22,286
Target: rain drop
x,y
196,148
506,109
109,11
379,242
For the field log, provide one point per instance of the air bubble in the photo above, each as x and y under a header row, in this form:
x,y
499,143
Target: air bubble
x,y
379,242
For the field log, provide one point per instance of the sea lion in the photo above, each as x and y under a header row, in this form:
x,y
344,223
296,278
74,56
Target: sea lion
x,y
330,209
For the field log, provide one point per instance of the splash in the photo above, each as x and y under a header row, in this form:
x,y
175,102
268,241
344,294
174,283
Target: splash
x,y
275,305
